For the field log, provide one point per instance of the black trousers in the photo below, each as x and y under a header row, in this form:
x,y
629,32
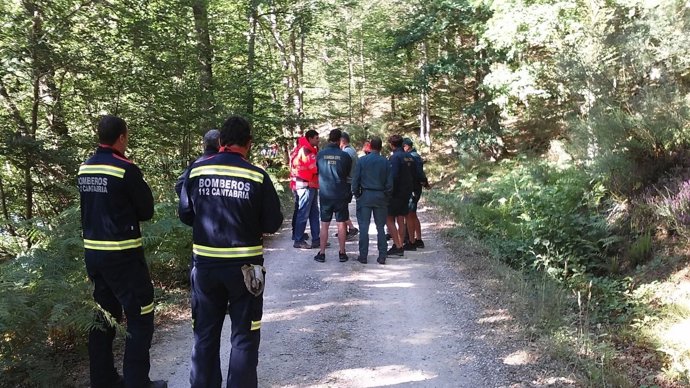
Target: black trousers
x,y
215,292
118,285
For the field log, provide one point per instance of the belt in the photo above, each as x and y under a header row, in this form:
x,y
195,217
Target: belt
x,y
368,189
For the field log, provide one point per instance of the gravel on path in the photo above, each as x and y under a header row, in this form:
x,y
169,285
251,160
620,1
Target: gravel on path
x,y
414,322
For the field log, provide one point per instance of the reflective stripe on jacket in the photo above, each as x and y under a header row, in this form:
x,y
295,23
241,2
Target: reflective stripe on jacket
x,y
303,170
230,204
114,198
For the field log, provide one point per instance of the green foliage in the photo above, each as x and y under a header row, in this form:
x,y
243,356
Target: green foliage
x,y
168,246
46,308
480,142
641,250
542,218
500,79
45,305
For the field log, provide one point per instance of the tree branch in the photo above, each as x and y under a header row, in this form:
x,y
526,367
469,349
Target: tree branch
x,y
16,114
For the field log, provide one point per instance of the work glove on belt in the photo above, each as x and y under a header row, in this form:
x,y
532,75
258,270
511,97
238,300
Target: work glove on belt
x,y
254,278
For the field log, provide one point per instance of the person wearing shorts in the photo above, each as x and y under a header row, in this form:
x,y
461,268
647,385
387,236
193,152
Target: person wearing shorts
x,y
402,169
414,228
334,167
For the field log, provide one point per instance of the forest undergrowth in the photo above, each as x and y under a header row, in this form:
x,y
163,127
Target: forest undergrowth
x,y
603,281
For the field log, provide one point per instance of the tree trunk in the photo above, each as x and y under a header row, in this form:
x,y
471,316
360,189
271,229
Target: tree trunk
x,y
289,81
14,110
296,70
424,122
424,119
350,74
300,76
205,64
5,212
44,68
362,81
36,49
29,157
475,92
251,56
288,125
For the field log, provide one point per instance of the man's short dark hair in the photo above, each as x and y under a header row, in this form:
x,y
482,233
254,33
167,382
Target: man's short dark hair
x,y
110,128
211,140
310,134
334,135
376,143
235,131
395,141
346,137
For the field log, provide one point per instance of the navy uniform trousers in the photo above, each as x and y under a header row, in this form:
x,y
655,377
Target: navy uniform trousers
x,y
372,202
117,285
216,291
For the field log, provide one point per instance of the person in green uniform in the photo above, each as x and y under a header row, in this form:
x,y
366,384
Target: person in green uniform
x,y
372,185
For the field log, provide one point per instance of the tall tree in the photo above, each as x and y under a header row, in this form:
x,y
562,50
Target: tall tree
x,y
205,61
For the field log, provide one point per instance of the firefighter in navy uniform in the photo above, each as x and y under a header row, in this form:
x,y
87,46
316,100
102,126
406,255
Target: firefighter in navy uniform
x,y
211,145
114,199
230,204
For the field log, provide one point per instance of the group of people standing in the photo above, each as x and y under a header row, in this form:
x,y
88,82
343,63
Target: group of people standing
x,y
230,204
325,181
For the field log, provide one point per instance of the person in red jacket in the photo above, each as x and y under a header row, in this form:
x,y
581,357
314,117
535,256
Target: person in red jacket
x,y
114,198
304,182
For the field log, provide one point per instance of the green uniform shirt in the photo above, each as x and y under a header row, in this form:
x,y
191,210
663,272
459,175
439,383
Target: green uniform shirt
x,y
372,181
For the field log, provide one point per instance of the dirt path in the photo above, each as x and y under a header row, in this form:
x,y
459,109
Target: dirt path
x,y
412,322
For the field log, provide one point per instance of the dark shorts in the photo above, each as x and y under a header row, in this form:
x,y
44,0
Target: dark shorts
x,y
337,206
414,199
398,207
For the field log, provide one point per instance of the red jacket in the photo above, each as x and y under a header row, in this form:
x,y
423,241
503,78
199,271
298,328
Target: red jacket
x,y
303,171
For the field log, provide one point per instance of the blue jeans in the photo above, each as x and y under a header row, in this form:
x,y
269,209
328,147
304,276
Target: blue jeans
x,y
307,209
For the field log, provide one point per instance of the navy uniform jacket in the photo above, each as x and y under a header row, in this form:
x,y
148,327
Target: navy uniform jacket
x,y
114,199
420,176
230,203
185,173
402,168
334,167
372,180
